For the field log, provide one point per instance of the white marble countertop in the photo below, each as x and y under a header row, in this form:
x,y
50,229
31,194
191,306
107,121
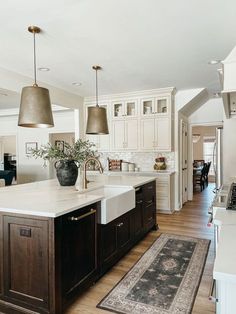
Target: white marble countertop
x,y
136,173
49,199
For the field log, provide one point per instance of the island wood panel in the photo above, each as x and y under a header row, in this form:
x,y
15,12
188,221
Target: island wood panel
x,y
190,221
26,261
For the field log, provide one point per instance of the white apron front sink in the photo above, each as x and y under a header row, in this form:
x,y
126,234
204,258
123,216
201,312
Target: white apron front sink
x,y
116,202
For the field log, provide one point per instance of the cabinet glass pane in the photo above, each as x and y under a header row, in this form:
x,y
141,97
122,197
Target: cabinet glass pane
x,y
162,105
147,106
130,108
117,110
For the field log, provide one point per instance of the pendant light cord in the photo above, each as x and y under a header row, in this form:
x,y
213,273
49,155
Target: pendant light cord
x,y
35,82
97,88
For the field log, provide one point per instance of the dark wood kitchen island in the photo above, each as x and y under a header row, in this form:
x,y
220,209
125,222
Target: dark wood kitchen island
x,y
52,247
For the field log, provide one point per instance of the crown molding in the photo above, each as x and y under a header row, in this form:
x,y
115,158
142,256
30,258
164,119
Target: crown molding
x,y
136,94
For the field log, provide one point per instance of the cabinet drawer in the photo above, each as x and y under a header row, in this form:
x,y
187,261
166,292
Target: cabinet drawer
x,y
149,191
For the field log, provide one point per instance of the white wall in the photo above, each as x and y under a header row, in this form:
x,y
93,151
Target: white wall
x,y
30,169
203,131
209,113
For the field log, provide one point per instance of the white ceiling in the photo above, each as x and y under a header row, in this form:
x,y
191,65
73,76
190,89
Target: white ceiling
x,y
141,44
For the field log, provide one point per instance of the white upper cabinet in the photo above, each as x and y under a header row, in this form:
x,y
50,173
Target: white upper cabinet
x,y
160,105
124,109
155,134
140,121
125,135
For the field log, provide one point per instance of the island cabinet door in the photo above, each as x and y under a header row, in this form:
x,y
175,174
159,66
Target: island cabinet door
x,y
79,250
26,263
149,205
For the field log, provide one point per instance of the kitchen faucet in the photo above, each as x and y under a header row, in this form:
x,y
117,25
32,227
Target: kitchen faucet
x,y
85,183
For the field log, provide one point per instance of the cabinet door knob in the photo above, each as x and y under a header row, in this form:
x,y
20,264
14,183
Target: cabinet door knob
x,y
120,224
139,202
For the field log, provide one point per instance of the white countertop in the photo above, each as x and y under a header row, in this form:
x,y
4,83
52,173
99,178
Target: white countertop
x,y
49,199
224,217
154,173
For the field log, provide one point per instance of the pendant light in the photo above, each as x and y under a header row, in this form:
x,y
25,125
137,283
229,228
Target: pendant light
x,y
35,106
97,117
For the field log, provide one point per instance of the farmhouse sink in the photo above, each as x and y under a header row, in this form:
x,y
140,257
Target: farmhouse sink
x,y
116,202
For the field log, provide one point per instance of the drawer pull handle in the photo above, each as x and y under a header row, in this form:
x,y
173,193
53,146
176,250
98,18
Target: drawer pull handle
x,y
150,218
139,202
209,223
212,296
120,224
72,218
150,187
149,202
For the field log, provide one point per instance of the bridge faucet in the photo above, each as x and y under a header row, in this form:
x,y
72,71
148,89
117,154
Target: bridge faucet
x,y
86,181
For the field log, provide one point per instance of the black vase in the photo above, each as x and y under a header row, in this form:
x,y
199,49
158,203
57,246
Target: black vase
x,y
67,172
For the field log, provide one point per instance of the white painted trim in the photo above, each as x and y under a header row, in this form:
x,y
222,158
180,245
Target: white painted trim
x,y
190,153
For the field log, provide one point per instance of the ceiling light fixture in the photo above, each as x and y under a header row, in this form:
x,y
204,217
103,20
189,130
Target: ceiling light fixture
x,y
35,106
97,117
76,83
196,138
212,62
44,69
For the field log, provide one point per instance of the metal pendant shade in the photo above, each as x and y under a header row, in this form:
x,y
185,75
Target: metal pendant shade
x,y
97,116
35,106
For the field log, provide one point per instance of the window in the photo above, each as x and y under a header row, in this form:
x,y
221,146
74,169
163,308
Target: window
x,y
208,152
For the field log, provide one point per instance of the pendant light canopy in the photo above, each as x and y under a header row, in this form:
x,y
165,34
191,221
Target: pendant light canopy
x,y
97,117
35,106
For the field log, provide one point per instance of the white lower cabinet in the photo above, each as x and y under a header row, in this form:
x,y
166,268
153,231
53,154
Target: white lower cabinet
x,y
156,134
226,297
165,193
125,135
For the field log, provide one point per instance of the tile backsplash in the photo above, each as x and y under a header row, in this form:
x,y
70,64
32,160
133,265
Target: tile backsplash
x,y
145,161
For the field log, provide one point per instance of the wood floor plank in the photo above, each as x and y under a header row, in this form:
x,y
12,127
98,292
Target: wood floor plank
x,y
190,221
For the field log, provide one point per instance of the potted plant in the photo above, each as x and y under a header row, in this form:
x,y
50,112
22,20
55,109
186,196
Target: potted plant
x,y
67,158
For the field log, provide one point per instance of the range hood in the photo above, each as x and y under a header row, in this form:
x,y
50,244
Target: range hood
x,y
228,82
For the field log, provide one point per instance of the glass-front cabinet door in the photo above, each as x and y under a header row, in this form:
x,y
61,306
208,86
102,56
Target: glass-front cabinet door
x,y
121,109
118,109
131,108
155,106
162,105
147,106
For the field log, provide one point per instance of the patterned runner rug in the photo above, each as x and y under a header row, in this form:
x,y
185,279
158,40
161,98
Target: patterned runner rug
x,y
164,281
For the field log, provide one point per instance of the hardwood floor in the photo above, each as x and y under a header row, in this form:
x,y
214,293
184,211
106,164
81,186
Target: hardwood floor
x,y
192,221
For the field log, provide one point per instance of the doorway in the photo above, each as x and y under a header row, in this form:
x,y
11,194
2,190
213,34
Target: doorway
x,y
8,153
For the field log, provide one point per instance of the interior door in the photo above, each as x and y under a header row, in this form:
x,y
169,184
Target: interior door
x,y
184,162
